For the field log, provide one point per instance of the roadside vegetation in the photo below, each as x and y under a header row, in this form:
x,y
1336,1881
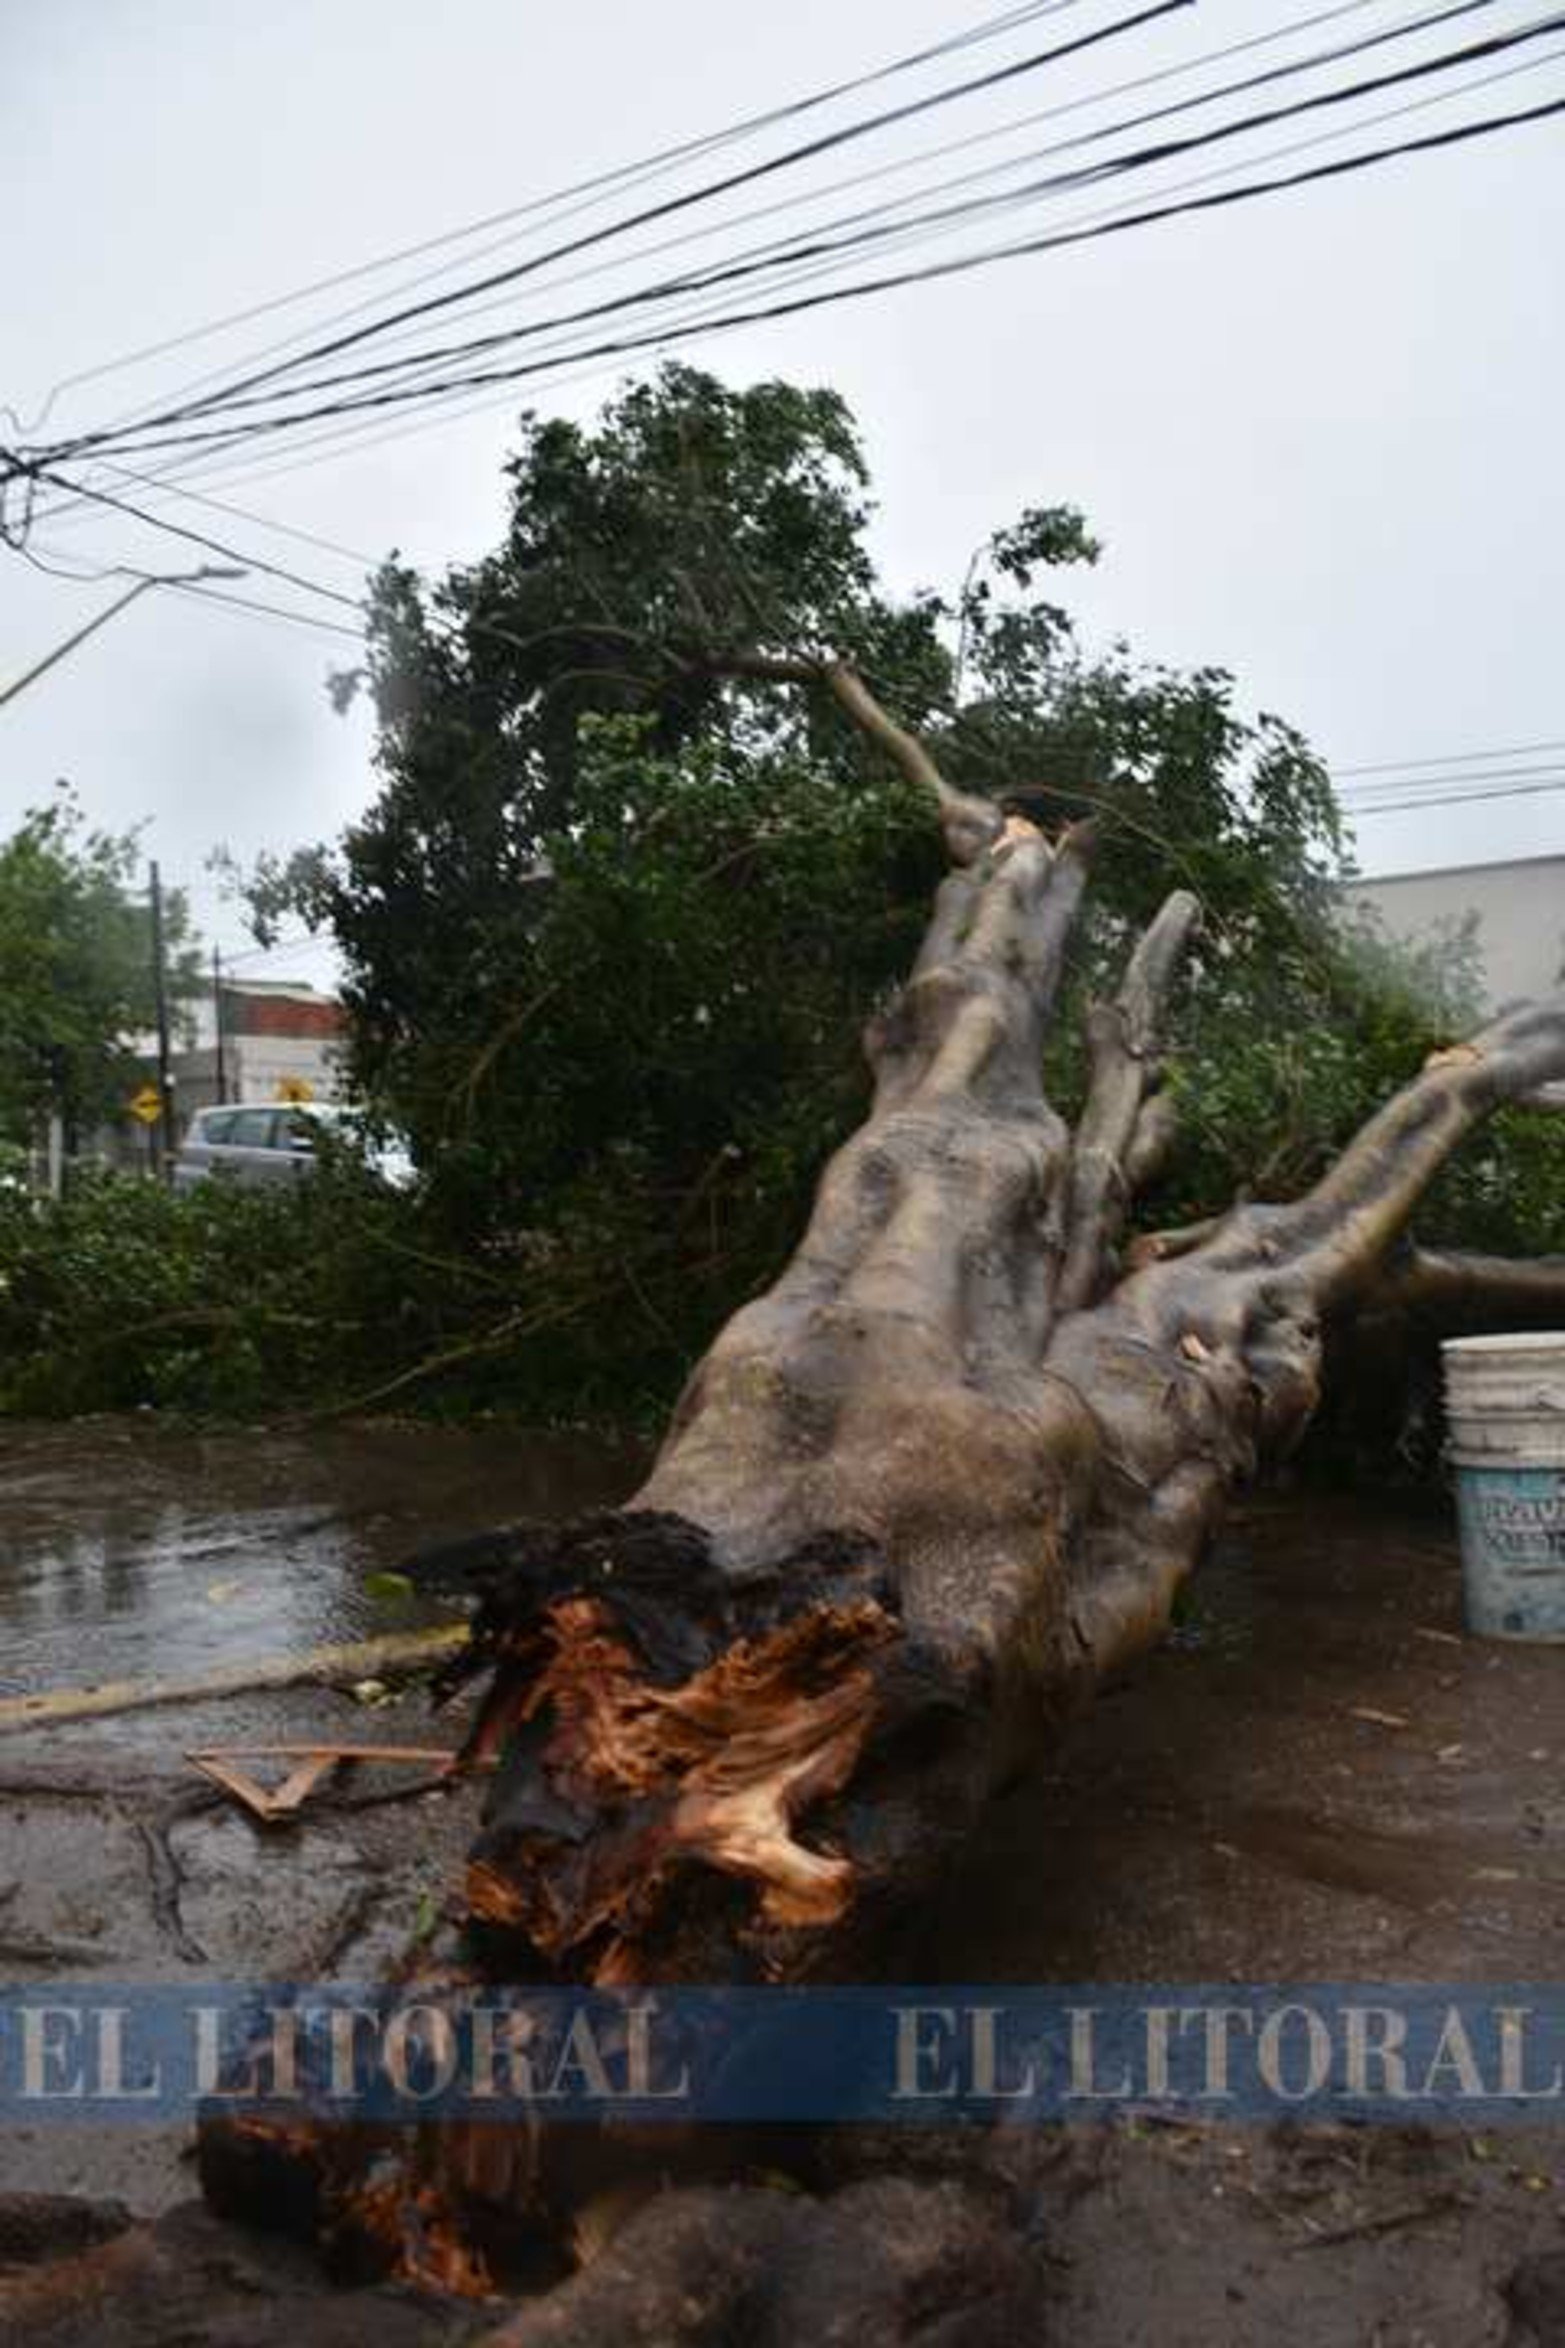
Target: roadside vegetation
x,y
613,921
76,968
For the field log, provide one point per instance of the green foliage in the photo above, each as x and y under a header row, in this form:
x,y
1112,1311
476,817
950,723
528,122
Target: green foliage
x,y
614,920
686,1053
1279,1065
1282,1057
615,916
75,969
1505,1193
124,1295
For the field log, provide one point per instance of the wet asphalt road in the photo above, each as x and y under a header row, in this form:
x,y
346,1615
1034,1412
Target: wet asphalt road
x,y
128,1553
1316,1778
1317,1773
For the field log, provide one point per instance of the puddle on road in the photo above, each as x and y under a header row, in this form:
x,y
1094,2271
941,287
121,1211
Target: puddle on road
x,y
130,1553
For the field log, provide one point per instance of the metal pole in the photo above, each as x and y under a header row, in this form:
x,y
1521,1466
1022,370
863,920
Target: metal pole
x,y
150,579
165,1124
217,1013
40,666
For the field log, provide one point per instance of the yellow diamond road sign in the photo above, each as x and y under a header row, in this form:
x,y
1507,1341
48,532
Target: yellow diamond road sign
x,y
146,1104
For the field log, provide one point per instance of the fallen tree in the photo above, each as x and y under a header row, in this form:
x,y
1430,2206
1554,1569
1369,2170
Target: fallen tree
x,y
952,1468
916,1501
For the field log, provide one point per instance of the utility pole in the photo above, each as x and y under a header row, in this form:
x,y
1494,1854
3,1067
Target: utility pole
x,y
165,1125
217,1014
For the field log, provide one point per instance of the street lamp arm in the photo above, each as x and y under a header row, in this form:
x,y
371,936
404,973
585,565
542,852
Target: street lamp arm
x,y
121,603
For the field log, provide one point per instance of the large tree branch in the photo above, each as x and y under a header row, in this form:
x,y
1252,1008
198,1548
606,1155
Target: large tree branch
x,y
1454,1290
970,824
1340,1233
1122,1130
930,1257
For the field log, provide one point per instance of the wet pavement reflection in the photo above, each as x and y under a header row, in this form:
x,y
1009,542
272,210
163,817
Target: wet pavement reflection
x,y
127,1552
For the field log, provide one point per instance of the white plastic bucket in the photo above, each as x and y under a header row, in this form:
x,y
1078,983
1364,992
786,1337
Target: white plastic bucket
x,y
1505,1404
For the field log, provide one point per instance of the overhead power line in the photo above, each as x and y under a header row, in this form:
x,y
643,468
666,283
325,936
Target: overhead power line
x,y
784,265
1464,798
1401,766
222,505
1371,794
194,585
793,202
824,143
883,170
161,522
231,468
1118,225
963,264
791,265
274,611
661,160
185,465
768,257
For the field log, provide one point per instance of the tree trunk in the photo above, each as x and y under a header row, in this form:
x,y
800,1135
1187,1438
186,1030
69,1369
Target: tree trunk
x,y
920,1496
948,1471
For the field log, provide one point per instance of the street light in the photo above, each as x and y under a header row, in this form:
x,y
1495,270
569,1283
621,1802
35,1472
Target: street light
x,y
120,603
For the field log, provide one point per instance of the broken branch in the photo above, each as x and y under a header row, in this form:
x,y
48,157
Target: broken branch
x,y
1115,1145
396,1652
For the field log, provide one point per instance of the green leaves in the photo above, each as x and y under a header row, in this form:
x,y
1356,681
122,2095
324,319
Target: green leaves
x,y
216,1301
75,968
389,1589
615,918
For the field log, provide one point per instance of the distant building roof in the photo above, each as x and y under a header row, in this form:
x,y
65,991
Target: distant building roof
x,y
279,1007
273,986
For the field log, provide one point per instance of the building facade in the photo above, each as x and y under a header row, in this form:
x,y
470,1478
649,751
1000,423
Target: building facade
x,y
1519,909
279,1040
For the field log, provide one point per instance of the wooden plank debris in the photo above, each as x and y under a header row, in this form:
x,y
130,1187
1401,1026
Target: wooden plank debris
x,y
395,1651
312,1764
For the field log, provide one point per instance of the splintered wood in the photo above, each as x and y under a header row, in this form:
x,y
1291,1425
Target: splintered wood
x,y
716,1770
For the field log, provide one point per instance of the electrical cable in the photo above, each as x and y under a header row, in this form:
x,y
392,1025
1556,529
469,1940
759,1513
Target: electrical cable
x,y
1008,20
884,170
1487,126
1227,197
1450,758
228,468
189,463
758,257
1459,799
251,562
277,611
1371,796
822,144
220,505
1057,109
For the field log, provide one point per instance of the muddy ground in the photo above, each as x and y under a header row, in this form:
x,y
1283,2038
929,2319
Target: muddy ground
x,y
1316,1778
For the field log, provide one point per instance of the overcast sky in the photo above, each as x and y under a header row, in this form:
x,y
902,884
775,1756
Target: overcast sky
x,y
1319,436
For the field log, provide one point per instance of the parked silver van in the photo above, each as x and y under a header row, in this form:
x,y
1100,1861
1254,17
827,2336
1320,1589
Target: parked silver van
x,y
259,1142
